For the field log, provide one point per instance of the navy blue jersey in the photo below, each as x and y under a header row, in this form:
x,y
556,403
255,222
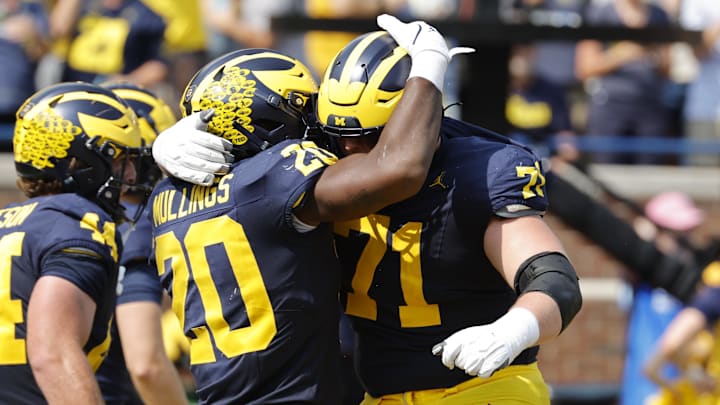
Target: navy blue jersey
x,y
257,299
415,272
138,238
137,281
109,42
64,236
17,81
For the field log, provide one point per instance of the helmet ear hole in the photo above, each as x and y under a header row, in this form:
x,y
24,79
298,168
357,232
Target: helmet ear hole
x,y
297,100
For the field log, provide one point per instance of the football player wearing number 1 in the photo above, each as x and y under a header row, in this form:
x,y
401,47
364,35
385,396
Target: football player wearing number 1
x,y
464,279
249,259
73,148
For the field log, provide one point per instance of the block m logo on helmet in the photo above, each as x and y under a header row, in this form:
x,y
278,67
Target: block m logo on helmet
x,y
362,86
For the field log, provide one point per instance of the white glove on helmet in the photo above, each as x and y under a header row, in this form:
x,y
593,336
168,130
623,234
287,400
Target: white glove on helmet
x,y
188,152
482,350
425,45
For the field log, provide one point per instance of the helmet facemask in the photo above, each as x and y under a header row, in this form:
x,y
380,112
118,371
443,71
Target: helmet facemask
x,y
154,116
103,160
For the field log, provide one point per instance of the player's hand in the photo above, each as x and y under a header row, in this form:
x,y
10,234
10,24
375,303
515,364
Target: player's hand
x,y
425,45
482,350
188,152
417,37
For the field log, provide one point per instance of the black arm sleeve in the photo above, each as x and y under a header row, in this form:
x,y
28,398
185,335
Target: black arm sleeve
x,y
551,273
580,211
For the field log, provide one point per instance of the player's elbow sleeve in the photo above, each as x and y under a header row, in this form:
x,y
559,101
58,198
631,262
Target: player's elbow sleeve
x,y
552,273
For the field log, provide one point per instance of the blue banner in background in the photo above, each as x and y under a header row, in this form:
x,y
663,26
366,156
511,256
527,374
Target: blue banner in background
x,y
651,312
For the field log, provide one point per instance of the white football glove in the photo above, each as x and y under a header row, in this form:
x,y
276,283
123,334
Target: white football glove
x,y
425,45
188,152
482,350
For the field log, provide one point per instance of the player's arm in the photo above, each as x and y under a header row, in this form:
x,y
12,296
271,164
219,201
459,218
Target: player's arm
x,y
703,310
392,171
63,17
683,328
139,318
524,245
60,317
397,165
152,372
532,260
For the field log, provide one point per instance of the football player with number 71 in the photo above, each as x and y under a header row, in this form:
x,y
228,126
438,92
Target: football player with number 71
x,y
248,258
462,280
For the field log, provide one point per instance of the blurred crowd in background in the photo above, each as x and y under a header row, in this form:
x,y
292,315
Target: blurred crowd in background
x,y
559,91
555,89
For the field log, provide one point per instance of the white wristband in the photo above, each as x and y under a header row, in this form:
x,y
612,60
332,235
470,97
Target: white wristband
x,y
430,65
521,329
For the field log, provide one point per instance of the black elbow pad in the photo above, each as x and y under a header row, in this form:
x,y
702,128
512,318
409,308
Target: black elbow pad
x,y
551,273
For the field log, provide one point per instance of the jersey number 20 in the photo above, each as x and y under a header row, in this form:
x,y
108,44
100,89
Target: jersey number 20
x,y
188,256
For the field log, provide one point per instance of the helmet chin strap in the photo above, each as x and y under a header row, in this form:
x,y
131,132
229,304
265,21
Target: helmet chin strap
x,y
108,197
253,145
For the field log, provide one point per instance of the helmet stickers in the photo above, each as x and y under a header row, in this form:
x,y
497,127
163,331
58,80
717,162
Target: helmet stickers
x,y
232,97
260,97
74,133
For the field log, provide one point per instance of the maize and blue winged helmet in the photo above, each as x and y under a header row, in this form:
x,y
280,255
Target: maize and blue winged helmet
x,y
154,116
74,133
260,97
362,85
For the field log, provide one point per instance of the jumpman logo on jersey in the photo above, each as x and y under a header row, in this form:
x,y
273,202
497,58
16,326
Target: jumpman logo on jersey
x,y
439,181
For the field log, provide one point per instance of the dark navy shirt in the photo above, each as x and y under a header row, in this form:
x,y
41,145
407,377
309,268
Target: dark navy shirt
x,y
18,79
416,272
64,236
636,82
257,299
707,301
539,111
137,282
109,42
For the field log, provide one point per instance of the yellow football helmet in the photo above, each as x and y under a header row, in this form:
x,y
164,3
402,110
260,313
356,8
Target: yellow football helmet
x,y
73,133
362,86
154,116
260,97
